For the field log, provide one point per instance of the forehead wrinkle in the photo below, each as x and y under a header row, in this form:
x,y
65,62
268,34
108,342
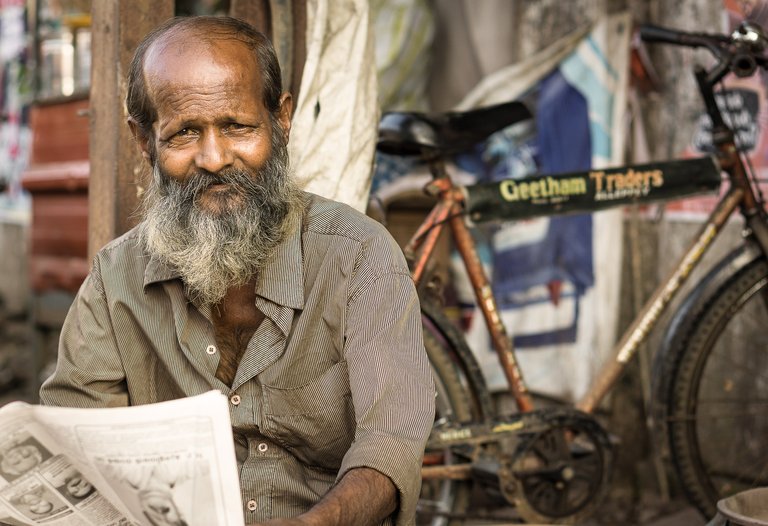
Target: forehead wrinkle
x,y
163,80
223,96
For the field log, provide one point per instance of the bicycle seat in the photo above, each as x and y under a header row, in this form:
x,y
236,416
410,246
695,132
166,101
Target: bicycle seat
x,y
437,134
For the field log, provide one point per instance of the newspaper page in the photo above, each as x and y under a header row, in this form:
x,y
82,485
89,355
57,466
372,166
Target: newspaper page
x,y
171,463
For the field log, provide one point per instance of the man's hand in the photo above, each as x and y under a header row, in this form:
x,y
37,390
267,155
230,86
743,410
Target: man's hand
x,y
363,497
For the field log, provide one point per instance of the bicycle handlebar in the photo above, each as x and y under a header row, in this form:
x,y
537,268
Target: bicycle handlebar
x,y
653,33
741,52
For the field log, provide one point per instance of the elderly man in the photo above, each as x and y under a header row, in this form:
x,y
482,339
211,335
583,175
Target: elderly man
x,y
299,309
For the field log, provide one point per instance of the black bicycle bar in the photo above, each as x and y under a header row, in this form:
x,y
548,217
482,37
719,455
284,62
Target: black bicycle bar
x,y
546,195
713,42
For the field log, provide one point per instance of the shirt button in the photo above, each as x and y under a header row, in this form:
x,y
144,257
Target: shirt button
x,y
263,447
235,399
252,505
211,349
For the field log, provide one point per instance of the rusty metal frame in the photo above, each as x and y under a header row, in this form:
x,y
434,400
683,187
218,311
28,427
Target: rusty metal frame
x,y
449,210
647,319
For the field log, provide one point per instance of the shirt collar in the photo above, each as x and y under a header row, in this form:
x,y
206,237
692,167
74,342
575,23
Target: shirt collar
x,y
157,270
282,279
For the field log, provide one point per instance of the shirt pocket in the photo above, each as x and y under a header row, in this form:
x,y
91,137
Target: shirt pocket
x,y
314,421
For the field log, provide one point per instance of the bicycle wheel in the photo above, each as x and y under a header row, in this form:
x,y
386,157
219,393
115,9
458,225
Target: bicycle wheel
x,y
718,390
442,500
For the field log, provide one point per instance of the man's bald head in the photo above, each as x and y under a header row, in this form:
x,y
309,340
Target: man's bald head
x,y
200,29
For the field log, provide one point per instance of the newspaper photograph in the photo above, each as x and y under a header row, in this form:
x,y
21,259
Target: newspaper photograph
x,y
171,463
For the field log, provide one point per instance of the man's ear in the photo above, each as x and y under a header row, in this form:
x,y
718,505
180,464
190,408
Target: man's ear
x,y
285,113
142,139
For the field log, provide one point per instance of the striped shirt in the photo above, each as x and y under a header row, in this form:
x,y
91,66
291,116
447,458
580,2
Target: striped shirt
x,y
335,377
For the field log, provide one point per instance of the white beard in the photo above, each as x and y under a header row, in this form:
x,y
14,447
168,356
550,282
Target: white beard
x,y
216,251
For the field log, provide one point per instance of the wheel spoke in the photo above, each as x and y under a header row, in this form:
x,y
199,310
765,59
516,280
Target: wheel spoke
x,y
718,417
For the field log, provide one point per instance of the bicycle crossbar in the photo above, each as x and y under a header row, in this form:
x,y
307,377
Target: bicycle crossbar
x,y
546,195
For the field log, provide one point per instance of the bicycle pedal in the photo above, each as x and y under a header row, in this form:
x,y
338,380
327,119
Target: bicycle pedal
x,y
486,470
485,473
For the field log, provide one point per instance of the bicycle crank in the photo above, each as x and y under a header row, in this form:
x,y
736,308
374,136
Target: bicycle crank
x,y
558,474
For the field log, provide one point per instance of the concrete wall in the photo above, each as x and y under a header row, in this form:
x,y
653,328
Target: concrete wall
x,y
14,285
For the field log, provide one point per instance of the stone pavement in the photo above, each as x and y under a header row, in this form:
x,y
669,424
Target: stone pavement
x,y
675,513
621,507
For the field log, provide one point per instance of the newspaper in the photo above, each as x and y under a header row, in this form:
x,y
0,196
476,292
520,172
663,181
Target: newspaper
x,y
171,463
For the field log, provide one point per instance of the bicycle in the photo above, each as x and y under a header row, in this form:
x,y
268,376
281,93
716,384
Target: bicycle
x,y
554,464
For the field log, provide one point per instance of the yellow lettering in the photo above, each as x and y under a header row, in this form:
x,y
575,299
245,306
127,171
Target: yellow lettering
x,y
508,190
534,188
524,191
622,180
647,180
577,185
658,178
553,186
598,178
542,188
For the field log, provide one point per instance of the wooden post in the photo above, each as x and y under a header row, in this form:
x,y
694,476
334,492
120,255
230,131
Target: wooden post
x,y
117,175
285,23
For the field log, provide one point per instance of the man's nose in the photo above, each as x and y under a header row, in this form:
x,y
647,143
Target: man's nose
x,y
214,153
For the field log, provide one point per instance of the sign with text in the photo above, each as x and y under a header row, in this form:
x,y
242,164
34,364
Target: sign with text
x,y
740,108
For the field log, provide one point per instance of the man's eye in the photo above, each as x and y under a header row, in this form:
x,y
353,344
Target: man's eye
x,y
181,135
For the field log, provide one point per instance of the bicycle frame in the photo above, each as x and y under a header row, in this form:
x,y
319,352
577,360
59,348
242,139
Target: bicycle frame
x,y
740,195
507,443
450,210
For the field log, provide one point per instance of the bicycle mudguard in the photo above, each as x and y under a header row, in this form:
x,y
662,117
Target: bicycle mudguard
x,y
435,320
544,195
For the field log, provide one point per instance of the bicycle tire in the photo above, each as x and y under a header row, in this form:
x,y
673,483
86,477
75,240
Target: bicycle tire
x,y
444,502
717,389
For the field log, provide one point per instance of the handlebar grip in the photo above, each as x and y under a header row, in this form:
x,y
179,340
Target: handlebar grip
x,y
652,33
713,42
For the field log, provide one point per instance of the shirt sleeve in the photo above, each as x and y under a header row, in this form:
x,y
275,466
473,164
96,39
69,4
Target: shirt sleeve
x,y
89,372
390,379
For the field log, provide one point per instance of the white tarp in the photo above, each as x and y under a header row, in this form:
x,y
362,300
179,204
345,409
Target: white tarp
x,y
333,135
